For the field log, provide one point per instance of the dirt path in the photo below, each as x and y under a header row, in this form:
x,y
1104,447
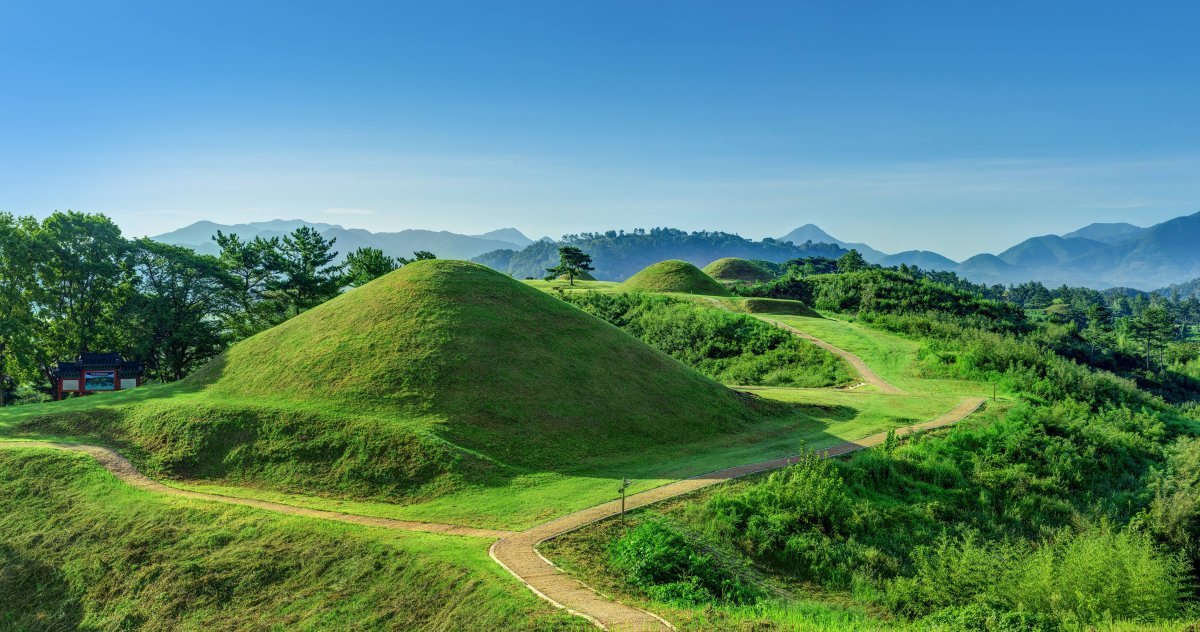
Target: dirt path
x,y
126,472
518,552
868,376
864,371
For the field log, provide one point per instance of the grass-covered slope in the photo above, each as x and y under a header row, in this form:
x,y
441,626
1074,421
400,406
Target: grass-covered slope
x,y
734,269
81,551
674,276
439,374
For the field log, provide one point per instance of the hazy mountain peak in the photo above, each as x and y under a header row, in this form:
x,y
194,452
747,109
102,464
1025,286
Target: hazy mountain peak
x,y
813,233
1106,232
511,235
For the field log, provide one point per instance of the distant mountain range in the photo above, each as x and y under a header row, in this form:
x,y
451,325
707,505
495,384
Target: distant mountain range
x,y
445,245
1098,255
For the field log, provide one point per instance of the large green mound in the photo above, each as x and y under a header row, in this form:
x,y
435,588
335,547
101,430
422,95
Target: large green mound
x,y
674,276
734,269
438,374
496,365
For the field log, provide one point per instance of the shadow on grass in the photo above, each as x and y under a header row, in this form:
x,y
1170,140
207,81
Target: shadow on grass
x,y
35,595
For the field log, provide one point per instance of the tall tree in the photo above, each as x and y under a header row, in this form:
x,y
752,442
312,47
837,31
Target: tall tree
x,y
310,278
1098,332
85,281
1153,329
182,301
852,261
571,263
17,254
367,264
256,266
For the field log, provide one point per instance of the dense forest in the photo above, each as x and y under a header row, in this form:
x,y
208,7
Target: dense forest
x,y
618,254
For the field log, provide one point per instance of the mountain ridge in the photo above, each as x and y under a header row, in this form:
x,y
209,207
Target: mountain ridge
x,y
444,244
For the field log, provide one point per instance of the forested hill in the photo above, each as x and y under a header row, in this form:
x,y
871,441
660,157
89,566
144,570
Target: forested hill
x,y
618,255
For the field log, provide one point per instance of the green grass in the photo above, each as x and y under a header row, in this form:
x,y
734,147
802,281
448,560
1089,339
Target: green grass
x,y
894,358
535,497
731,269
79,549
674,277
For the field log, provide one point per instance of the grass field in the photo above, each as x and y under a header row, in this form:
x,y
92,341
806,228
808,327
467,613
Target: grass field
x,y
82,550
893,357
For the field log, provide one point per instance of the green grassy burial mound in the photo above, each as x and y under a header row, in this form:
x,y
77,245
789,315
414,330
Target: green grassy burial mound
x,y
674,276
583,275
731,269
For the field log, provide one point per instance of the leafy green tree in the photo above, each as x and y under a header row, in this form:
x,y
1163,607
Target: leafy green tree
x,y
1099,330
17,254
85,281
367,264
1153,329
851,262
181,303
255,265
309,275
420,255
571,263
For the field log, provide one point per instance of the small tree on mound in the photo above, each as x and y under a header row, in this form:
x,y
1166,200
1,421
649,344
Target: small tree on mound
x,y
571,263
419,255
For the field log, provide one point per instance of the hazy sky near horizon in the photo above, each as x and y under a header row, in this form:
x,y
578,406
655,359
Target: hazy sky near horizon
x,y
953,126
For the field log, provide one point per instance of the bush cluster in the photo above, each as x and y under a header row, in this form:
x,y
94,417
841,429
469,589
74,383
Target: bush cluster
x,y
729,347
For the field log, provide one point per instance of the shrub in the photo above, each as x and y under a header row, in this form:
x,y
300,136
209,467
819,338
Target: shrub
x,y
667,566
729,347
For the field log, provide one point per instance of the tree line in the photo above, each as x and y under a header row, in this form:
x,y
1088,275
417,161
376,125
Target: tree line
x,y
72,283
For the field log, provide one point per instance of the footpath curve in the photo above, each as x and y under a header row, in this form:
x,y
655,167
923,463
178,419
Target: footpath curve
x,y
120,467
868,376
519,555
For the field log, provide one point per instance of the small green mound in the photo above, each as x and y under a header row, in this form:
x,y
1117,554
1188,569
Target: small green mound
x,y
777,306
732,269
583,275
674,276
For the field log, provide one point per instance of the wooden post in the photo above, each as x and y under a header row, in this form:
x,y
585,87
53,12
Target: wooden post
x,y
625,483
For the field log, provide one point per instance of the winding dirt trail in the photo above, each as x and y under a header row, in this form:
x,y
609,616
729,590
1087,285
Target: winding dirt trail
x,y
518,552
126,472
868,376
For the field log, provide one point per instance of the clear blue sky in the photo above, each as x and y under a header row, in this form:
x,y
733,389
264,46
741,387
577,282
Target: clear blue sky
x,y
955,126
